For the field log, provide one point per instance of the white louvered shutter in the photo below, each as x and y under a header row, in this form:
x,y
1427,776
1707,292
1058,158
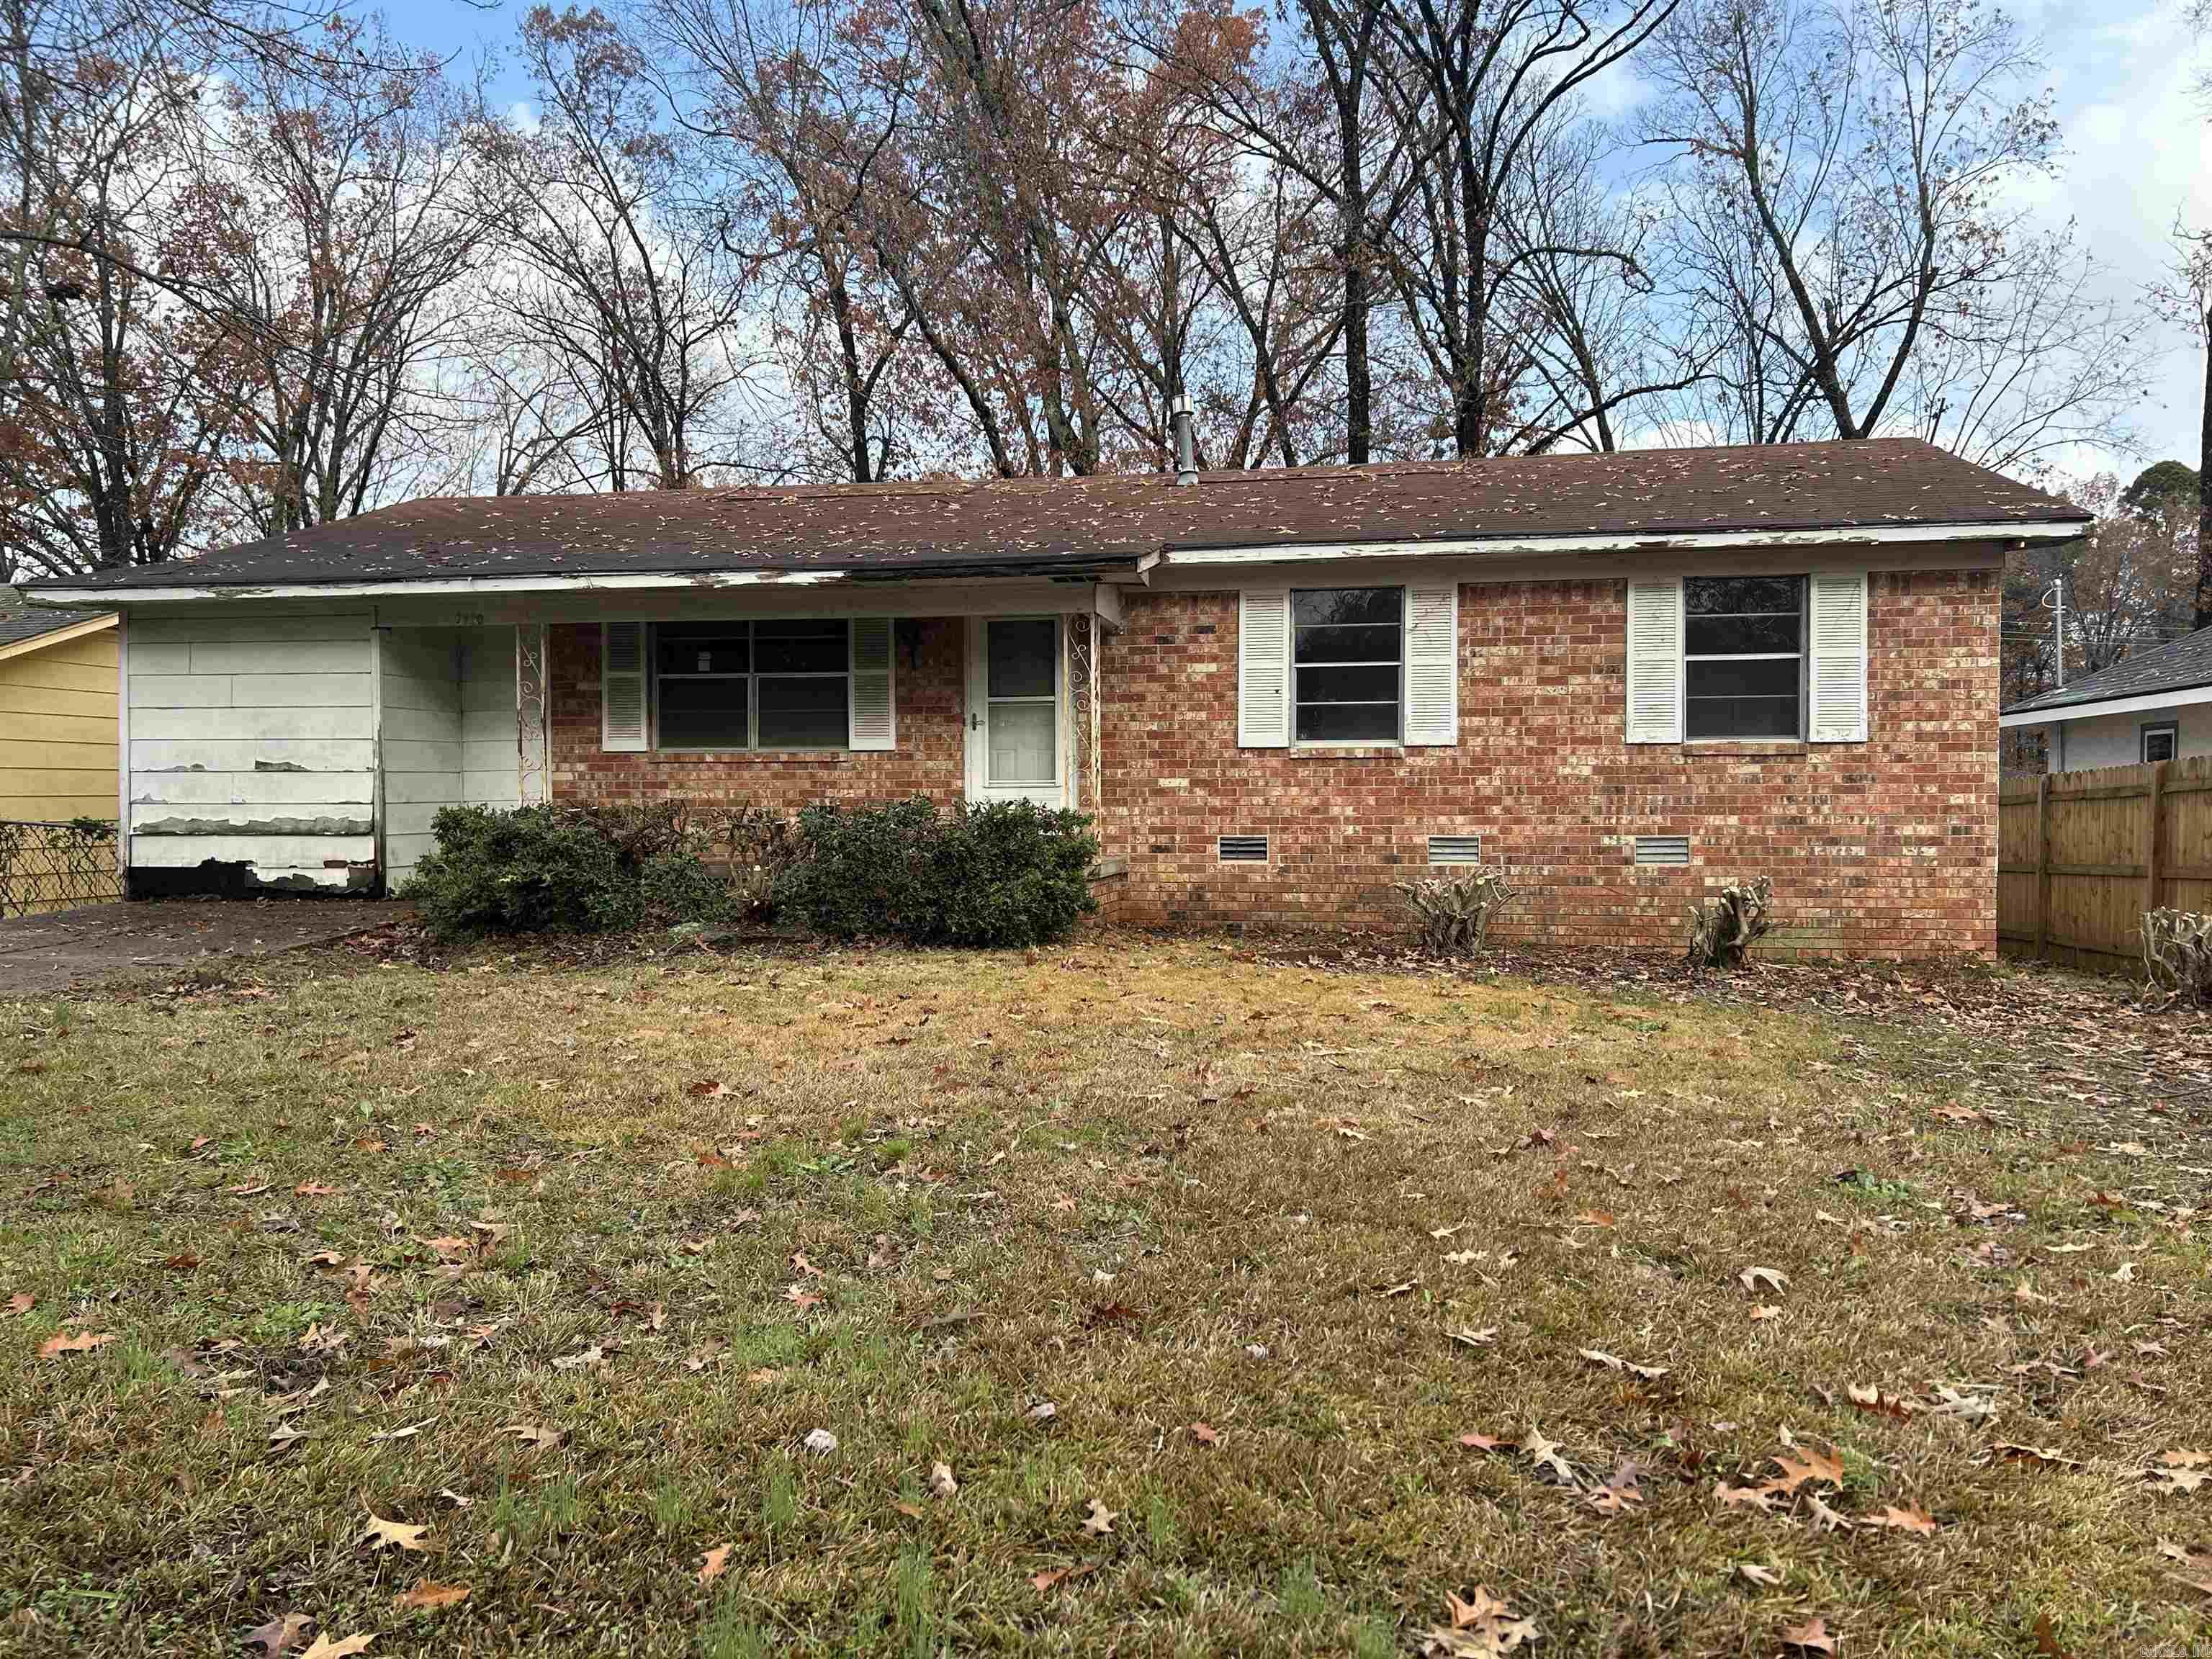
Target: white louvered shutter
x,y
1837,621
1263,668
874,719
1655,661
1433,664
622,685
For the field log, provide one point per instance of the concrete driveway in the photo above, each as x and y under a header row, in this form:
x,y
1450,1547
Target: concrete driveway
x,y
67,950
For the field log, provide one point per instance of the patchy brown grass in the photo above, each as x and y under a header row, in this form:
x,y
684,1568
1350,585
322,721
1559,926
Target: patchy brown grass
x,y
1341,1217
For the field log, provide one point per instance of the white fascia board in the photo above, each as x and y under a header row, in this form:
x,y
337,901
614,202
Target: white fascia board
x,y
1692,542
440,587
463,586
2088,711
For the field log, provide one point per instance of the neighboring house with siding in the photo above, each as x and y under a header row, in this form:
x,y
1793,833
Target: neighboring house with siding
x,y
2153,706
1626,677
58,678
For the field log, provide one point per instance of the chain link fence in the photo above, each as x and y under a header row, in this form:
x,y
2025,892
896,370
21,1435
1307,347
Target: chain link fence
x,y
51,867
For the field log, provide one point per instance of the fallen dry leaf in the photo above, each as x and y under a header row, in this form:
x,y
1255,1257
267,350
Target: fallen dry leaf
x,y
1100,1520
1752,1278
535,1436
941,1483
381,1534
1903,1520
2182,1471
280,1634
1811,1636
1753,1572
428,1596
83,1342
324,1648
1045,1581
1204,1434
2007,1452
22,1302
1480,1626
713,1563
314,1189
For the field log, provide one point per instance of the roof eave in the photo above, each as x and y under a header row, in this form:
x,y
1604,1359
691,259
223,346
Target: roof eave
x,y
1082,570
2130,702
1615,543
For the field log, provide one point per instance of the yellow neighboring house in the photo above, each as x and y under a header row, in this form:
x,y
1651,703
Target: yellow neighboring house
x,y
58,677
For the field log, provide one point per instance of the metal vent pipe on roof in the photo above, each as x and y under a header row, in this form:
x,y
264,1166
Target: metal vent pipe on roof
x,y
1179,421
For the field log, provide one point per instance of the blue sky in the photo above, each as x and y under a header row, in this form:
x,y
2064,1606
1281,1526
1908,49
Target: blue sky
x,y
2139,156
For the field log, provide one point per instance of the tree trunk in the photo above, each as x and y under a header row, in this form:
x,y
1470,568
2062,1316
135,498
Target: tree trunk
x,y
2203,617
1359,297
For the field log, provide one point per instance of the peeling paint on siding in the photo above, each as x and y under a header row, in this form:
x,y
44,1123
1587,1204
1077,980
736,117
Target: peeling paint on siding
x,y
276,826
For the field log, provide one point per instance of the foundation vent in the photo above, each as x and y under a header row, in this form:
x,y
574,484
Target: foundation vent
x,y
1663,849
1455,849
1243,849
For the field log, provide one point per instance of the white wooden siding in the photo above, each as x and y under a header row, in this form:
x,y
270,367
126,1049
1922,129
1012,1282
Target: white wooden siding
x,y
252,740
421,747
490,751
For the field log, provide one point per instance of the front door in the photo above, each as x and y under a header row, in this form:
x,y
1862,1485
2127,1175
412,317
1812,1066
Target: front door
x,y
1016,750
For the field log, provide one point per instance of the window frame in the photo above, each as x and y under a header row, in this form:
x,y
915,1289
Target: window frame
x,y
752,677
2149,729
1803,655
1396,741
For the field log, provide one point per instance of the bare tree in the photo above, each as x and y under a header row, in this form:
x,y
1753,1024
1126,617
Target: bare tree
x,y
327,198
803,116
2185,297
621,270
1842,176
1483,83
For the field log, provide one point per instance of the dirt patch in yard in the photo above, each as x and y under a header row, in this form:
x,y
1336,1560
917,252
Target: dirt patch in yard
x,y
99,944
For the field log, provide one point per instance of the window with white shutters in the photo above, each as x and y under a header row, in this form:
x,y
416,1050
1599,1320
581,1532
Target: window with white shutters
x,y
1743,657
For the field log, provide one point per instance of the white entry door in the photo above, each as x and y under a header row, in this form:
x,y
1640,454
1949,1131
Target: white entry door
x,y
1015,750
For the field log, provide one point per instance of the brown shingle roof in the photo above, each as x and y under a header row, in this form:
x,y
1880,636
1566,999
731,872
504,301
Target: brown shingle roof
x,y
1071,524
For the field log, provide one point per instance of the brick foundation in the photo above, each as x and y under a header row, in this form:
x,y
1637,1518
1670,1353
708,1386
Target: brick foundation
x,y
1886,847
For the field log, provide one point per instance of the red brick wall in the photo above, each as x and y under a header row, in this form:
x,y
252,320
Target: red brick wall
x,y
928,759
1886,847
1877,848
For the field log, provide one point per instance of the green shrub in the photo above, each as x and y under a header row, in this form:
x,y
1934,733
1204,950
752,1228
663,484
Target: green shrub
x,y
564,869
1007,873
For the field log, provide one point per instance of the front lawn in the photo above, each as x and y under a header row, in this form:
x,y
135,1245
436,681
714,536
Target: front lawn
x,y
1247,1305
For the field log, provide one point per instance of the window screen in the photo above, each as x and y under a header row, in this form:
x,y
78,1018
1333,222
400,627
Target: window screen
x,y
1348,653
751,685
2161,742
1743,656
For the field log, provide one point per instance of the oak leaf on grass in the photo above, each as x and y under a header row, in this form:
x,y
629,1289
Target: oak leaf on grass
x,y
713,1563
324,1648
382,1535
429,1596
83,1342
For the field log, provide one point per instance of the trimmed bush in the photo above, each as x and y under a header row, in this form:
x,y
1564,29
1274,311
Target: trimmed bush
x,y
1007,873
562,869
1722,931
2178,955
1454,911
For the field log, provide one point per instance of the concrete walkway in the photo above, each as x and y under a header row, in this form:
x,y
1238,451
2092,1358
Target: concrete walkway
x,y
68,950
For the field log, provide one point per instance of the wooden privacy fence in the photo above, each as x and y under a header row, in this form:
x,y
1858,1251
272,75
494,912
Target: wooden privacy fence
x,y
2082,856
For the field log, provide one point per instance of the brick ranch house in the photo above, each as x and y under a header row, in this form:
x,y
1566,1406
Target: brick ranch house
x,y
1626,677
